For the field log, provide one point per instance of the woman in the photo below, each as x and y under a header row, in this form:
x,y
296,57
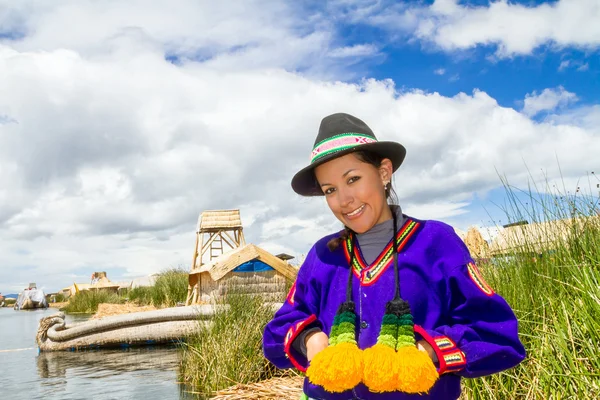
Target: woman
x,y
392,307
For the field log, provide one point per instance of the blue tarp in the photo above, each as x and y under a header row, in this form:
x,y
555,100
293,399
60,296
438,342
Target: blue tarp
x,y
253,266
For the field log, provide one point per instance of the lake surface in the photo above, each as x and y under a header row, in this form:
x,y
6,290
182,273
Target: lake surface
x,y
145,373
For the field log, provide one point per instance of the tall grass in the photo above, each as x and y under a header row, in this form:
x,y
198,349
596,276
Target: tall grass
x,y
229,351
170,288
555,293
87,301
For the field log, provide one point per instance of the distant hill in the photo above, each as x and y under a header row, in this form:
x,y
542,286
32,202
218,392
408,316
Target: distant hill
x,y
11,296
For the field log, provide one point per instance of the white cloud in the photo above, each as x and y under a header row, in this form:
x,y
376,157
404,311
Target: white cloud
x,y
108,152
439,71
436,210
359,50
240,36
548,100
579,65
564,65
515,29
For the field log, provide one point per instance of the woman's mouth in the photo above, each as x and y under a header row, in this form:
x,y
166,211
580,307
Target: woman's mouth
x,y
356,213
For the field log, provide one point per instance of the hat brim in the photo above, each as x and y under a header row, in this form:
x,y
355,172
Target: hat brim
x,y
305,184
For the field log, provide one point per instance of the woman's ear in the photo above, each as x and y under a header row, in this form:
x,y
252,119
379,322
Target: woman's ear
x,y
385,170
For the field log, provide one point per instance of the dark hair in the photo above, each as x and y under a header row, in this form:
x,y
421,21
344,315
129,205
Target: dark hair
x,y
375,160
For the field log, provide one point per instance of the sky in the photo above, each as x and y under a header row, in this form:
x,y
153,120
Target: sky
x,y
121,121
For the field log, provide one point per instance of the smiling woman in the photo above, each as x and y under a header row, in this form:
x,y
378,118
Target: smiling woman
x,y
388,307
352,188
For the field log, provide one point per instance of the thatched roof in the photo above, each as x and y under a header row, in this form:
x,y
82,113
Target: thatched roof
x,y
540,237
476,244
103,283
222,265
144,281
80,286
218,220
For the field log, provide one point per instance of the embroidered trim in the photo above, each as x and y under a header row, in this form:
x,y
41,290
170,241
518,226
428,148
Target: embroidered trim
x,y
477,278
291,334
368,275
444,343
450,358
455,361
291,294
438,352
339,142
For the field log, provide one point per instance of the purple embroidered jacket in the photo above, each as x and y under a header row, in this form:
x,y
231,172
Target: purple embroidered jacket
x,y
472,329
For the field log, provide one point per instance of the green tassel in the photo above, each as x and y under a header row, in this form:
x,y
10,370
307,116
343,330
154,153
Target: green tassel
x,y
343,329
406,325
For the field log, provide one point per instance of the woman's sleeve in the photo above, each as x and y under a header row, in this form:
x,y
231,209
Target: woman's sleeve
x,y
481,336
298,313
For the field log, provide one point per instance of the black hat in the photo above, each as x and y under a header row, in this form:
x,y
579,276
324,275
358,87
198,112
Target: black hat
x,y
340,134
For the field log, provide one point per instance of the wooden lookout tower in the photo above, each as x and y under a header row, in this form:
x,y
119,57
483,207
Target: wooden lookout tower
x,y
217,232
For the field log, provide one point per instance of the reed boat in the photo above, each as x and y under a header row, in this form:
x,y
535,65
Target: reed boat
x,y
163,326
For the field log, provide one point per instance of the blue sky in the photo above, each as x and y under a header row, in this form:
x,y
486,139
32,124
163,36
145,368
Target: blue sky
x,y
508,80
121,121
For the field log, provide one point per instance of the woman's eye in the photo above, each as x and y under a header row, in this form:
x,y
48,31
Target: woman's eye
x,y
353,179
329,190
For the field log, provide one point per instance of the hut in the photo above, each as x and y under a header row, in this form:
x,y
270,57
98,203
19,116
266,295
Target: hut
x,y
74,289
247,269
540,237
476,244
222,260
101,282
98,281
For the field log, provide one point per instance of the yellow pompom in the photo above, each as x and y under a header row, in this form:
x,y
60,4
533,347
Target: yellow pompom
x,y
416,372
337,368
381,368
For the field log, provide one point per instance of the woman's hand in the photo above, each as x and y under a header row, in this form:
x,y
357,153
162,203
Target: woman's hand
x,y
315,342
426,348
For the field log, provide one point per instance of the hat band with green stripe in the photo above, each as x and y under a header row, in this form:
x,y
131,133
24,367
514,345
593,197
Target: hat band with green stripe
x,y
339,142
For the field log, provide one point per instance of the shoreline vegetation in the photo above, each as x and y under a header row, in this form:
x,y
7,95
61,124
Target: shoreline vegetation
x,y
229,351
169,289
555,293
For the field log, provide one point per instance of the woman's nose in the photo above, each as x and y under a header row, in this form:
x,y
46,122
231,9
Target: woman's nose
x,y
345,197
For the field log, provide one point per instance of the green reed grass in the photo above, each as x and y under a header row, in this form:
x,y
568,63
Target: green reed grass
x,y
229,351
170,288
59,298
87,301
555,293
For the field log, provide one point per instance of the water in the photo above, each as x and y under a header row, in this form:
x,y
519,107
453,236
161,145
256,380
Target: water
x,y
148,373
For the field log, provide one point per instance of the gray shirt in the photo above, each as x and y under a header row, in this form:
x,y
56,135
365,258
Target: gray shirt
x,y
375,239
371,245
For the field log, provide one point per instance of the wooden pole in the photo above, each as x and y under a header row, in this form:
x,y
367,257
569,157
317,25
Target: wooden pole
x,y
194,257
206,245
233,244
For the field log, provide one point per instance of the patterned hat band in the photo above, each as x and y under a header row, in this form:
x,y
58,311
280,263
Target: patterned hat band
x,y
339,142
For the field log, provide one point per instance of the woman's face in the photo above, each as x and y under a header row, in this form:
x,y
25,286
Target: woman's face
x,y
355,191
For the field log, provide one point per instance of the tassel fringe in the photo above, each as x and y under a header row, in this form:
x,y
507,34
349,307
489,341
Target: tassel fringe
x,y
337,368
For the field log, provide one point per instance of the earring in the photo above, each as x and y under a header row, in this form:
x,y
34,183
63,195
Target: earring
x,y
386,185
